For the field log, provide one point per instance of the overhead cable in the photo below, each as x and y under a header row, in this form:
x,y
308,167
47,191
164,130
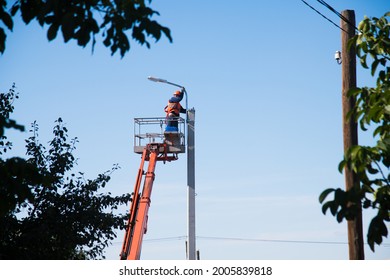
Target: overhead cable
x,y
337,13
183,237
318,12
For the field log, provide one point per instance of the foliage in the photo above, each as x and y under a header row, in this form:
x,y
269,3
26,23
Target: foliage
x,y
370,163
11,169
6,108
49,212
82,20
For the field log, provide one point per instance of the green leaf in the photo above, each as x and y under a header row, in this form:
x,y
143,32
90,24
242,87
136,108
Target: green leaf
x,y
342,165
324,194
2,43
376,230
82,36
327,205
340,197
366,204
52,31
340,216
354,91
15,8
354,151
7,19
372,170
374,66
333,208
29,10
68,26
363,61
167,33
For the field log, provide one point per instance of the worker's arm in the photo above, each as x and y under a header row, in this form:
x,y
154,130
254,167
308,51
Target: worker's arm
x,y
177,98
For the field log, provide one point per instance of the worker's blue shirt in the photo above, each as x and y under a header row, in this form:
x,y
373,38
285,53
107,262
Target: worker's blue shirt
x,y
175,99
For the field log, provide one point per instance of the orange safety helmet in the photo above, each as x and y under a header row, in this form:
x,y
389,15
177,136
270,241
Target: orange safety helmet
x,y
177,93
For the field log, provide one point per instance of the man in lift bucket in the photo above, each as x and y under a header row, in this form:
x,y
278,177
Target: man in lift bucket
x,y
173,110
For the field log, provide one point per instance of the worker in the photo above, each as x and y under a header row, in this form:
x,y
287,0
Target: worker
x,y
173,110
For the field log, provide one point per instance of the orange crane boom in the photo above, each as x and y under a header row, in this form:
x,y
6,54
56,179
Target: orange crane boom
x,y
137,224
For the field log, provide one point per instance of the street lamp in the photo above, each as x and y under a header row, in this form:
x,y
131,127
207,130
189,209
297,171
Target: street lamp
x,y
158,80
190,120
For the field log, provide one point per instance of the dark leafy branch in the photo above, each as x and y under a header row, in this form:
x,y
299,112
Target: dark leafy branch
x,y
49,211
83,20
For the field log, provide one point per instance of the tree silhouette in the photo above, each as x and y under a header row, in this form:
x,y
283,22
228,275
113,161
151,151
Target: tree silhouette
x,y
48,211
83,20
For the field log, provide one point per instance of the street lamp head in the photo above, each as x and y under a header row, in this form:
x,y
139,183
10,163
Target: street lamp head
x,y
157,80
154,79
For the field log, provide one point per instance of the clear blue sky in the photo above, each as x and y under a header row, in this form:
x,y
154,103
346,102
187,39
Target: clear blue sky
x,y
266,89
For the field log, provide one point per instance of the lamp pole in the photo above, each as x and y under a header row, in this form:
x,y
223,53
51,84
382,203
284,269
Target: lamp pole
x,y
190,120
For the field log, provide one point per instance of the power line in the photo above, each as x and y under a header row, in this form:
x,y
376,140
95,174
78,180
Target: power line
x,y
279,240
183,237
337,13
272,240
318,12
163,239
333,10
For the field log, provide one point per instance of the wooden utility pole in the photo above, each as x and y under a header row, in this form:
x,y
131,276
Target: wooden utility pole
x,y
350,131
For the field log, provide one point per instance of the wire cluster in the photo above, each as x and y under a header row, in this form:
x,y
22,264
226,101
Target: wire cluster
x,y
333,10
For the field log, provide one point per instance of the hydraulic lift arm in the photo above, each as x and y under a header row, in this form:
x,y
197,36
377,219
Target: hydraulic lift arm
x,y
137,224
